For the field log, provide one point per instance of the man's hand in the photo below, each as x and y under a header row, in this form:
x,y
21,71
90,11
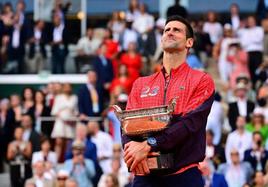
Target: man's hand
x,y
135,154
142,168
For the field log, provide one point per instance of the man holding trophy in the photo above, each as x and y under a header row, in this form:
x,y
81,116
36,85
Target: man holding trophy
x,y
163,127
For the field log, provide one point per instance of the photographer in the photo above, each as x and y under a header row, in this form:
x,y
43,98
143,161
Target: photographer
x,y
257,155
80,168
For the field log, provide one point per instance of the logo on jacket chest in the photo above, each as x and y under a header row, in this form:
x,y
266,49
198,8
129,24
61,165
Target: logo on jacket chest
x,y
147,91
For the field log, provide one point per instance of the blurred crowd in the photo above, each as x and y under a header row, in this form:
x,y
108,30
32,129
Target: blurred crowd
x,y
55,136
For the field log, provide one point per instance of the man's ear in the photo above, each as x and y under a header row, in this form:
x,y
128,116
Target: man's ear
x,y
189,42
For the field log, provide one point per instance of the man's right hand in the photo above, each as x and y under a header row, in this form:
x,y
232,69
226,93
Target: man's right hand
x,y
142,168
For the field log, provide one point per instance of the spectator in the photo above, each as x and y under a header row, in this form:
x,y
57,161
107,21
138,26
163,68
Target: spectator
x,y
90,98
216,119
177,9
7,14
210,177
13,118
86,49
48,157
252,45
133,60
128,35
19,154
79,167
241,107
39,177
258,179
212,27
111,180
214,152
236,173
62,177
104,143
27,99
59,44
133,10
240,140
39,109
64,109
258,124
71,183
116,25
29,133
261,9
37,52
234,17
257,156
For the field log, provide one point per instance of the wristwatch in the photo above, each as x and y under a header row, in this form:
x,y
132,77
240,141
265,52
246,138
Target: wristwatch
x,y
152,141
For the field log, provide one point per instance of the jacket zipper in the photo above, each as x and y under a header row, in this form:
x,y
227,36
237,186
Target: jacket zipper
x,y
166,86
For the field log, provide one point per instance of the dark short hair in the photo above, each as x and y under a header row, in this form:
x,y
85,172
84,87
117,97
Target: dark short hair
x,y
189,29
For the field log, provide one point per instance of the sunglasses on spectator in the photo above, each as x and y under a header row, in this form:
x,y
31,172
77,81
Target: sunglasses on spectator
x,y
62,178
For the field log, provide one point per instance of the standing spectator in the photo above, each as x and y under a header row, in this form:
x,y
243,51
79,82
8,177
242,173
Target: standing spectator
x,y
234,17
79,167
104,69
86,49
27,99
39,109
16,47
90,100
251,39
7,14
64,109
212,27
261,10
177,9
216,119
13,118
116,25
4,106
236,173
257,156
132,59
29,134
39,178
18,154
37,54
241,107
104,143
128,35
240,140
133,10
59,45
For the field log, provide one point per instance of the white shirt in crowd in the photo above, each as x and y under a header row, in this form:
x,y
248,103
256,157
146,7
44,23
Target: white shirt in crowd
x,y
214,30
242,107
57,33
238,142
143,23
89,47
251,38
104,144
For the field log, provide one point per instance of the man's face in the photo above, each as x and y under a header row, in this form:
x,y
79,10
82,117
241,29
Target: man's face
x,y
174,37
26,121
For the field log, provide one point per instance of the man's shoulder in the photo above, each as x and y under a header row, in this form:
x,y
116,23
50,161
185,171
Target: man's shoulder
x,y
147,78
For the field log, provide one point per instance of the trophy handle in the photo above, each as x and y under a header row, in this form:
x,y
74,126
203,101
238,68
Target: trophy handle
x,y
172,104
118,111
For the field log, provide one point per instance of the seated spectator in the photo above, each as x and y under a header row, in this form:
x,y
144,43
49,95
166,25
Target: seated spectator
x,y
259,180
257,156
240,140
236,173
39,177
27,99
214,152
104,143
210,177
257,124
71,183
86,49
19,154
62,177
47,156
111,180
79,167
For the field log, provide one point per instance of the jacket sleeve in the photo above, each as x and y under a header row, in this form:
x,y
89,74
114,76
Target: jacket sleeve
x,y
191,122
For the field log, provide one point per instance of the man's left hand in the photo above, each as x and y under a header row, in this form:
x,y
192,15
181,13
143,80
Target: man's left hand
x,y
135,152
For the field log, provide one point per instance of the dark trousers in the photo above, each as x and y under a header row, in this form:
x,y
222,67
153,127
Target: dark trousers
x,y
189,178
254,59
58,61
